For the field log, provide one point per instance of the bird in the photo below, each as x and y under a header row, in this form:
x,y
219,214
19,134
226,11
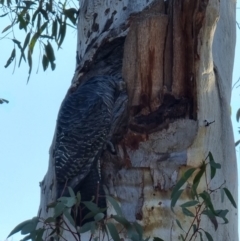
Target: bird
x,y
82,133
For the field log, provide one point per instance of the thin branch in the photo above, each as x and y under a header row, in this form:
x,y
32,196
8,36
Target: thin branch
x,y
69,229
236,83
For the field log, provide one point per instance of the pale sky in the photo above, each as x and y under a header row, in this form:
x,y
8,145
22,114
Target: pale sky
x,y
27,125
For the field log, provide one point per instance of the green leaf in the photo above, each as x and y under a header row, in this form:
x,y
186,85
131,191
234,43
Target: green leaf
x,y
78,197
187,212
212,162
6,28
134,236
176,197
58,210
179,224
222,214
98,217
52,204
44,13
122,221
113,231
26,41
62,33
238,115
22,22
85,228
194,228
69,217
29,63
20,226
68,201
70,190
35,15
46,36
91,206
39,234
53,65
11,58
3,101
27,237
182,180
50,55
89,215
45,62
36,36
39,20
189,204
54,28
237,143
115,205
207,199
49,6
213,165
201,238
230,197
50,220
157,239
3,15
30,227
209,237
212,218
197,179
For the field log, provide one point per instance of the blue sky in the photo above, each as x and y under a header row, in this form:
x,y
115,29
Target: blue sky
x,y
27,125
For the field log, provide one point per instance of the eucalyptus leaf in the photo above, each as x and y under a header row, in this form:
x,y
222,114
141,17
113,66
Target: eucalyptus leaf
x,y
179,224
98,217
20,226
67,214
187,212
208,235
175,197
115,205
85,228
113,232
230,197
189,204
11,58
182,180
30,227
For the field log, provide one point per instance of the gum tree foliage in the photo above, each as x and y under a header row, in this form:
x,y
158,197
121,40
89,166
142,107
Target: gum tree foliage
x,y
43,22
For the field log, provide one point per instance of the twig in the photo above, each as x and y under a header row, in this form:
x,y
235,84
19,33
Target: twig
x,y
70,230
236,83
196,216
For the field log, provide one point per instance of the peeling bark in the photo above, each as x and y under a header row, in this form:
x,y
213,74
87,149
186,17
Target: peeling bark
x,y
175,81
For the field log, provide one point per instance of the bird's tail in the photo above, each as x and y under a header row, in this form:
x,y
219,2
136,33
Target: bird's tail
x,y
91,189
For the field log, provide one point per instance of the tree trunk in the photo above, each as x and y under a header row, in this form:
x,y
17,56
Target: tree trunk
x,y
177,64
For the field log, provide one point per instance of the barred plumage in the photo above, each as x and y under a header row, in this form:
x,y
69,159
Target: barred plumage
x,y
83,128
